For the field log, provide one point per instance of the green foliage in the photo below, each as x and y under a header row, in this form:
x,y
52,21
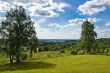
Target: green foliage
x,y
19,32
24,56
62,51
74,52
88,36
56,46
81,52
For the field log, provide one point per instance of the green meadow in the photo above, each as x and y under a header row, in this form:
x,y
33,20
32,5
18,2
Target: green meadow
x,y
56,62
65,43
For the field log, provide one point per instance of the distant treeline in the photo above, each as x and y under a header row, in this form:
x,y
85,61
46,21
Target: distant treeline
x,y
100,45
47,45
58,40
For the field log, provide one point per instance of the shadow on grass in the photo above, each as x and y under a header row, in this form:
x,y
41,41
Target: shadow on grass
x,y
26,66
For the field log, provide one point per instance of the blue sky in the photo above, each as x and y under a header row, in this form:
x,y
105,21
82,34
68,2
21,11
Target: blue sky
x,y
62,19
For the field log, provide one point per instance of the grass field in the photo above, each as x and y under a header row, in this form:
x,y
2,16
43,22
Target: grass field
x,y
59,63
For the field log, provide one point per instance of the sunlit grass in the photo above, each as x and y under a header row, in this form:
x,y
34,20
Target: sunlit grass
x,y
60,63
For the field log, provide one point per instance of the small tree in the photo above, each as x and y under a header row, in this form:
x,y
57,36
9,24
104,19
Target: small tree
x,y
32,43
18,30
88,36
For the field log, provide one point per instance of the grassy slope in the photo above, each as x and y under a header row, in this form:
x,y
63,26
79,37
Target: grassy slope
x,y
63,64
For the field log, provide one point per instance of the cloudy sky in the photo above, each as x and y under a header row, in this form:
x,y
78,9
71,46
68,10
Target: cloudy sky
x,y
62,19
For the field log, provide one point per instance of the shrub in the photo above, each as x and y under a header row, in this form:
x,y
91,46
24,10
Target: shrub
x,y
80,52
74,52
107,52
24,56
62,51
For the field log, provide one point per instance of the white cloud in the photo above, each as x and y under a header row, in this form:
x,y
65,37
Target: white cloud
x,y
47,33
46,8
54,25
19,4
94,6
40,8
4,6
107,24
70,30
102,32
74,22
60,6
79,21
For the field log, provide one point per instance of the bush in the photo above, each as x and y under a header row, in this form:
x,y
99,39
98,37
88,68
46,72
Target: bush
x,y
62,51
74,52
24,56
80,52
106,51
